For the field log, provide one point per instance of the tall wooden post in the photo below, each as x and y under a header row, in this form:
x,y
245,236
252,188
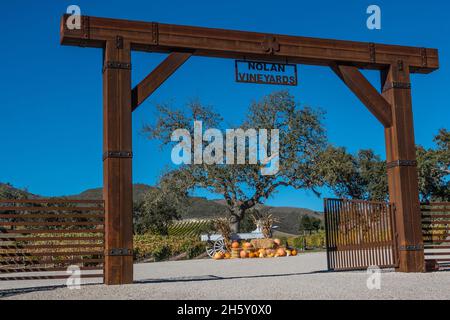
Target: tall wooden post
x,y
117,162
402,168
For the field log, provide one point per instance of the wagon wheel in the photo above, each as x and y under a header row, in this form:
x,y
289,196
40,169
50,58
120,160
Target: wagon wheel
x,y
210,248
220,246
217,246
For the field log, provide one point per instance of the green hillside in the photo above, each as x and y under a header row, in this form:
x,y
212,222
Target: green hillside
x,y
190,227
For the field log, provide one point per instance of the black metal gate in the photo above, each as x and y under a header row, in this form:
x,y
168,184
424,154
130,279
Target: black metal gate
x,y
360,234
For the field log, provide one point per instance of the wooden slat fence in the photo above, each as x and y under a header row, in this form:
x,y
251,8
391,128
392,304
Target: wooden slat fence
x,y
436,235
360,234
41,238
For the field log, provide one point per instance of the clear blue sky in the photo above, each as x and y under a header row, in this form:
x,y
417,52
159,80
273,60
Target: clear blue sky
x,y
51,96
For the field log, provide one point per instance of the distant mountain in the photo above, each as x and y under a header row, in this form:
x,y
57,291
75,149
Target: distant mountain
x,y
139,190
201,207
9,191
289,216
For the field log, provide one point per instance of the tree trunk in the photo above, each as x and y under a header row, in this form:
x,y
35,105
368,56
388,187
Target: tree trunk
x,y
235,224
236,217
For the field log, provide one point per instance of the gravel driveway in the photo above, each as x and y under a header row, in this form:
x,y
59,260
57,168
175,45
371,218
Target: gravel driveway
x,y
301,277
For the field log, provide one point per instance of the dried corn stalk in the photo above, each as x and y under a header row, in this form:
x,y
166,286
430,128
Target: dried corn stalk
x,y
222,226
265,222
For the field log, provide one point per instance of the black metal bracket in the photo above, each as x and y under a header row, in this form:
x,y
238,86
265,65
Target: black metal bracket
x,y
397,85
155,33
119,42
372,53
85,30
117,154
400,65
401,163
119,252
117,65
418,247
423,53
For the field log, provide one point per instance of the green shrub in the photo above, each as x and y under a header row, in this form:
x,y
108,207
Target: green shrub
x,y
162,253
313,241
316,240
297,242
157,247
284,241
195,250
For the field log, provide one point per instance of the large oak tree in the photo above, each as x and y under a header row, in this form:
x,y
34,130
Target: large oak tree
x,y
242,186
363,176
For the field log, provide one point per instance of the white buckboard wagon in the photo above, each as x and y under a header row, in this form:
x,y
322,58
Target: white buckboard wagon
x,y
215,242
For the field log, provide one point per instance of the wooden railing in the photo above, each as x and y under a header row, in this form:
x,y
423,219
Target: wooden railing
x,y
360,234
41,238
436,235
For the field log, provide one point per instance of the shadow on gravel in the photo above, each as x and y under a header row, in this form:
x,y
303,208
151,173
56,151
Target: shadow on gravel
x,y
215,278
14,292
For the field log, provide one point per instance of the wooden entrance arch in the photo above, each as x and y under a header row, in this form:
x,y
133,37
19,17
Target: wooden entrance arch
x,y
392,107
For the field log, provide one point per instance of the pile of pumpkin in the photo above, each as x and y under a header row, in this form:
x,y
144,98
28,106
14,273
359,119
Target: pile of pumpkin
x,y
257,248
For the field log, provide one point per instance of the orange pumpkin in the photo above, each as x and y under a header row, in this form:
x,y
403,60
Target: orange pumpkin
x,y
281,252
227,255
251,255
248,245
235,245
243,254
218,256
293,252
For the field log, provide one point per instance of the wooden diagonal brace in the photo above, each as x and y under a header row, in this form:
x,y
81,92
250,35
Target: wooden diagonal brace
x,y
157,77
364,90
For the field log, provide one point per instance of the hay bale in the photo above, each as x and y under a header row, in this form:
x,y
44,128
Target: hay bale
x,y
235,253
263,243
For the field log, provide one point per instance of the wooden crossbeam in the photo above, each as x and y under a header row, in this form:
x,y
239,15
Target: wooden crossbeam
x,y
158,37
157,77
367,93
